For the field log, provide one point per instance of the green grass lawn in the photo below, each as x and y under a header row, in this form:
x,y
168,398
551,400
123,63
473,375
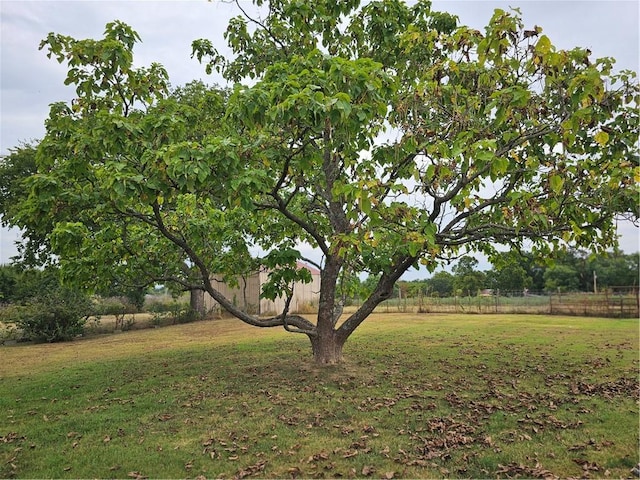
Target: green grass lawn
x,y
417,396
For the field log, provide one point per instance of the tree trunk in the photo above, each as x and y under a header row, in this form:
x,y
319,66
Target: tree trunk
x,y
196,302
327,349
326,344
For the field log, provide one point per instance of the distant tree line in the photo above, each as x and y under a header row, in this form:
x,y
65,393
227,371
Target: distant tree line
x,y
572,271
46,309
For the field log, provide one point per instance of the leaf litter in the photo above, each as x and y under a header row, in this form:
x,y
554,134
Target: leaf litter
x,y
380,417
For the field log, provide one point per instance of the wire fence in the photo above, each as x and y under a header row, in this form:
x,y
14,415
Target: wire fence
x,y
607,304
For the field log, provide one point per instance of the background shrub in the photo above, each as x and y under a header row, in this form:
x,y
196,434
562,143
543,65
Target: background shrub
x,y
119,307
54,315
170,311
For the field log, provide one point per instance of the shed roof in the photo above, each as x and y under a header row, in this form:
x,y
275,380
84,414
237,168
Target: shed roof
x,y
312,270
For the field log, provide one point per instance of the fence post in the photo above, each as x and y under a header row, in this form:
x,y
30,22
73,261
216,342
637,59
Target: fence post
x,y
621,307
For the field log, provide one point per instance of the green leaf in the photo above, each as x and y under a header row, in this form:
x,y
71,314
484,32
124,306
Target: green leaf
x,y
414,248
499,166
365,203
556,182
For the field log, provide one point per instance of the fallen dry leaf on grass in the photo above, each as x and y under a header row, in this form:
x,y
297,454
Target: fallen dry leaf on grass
x,y
515,470
368,470
137,475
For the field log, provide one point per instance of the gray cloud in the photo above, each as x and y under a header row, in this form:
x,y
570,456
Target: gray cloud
x,y
30,81
8,237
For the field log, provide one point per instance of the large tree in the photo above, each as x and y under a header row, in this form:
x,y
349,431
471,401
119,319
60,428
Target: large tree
x,y
385,136
441,284
509,273
467,280
614,269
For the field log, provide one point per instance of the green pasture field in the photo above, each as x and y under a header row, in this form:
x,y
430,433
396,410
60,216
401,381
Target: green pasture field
x,y
417,396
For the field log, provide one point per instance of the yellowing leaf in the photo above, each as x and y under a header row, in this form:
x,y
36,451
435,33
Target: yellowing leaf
x,y
601,137
544,45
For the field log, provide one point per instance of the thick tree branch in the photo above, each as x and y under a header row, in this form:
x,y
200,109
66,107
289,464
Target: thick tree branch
x,y
302,324
382,292
331,169
308,227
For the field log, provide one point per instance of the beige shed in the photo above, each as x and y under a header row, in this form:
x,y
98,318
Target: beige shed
x,y
247,294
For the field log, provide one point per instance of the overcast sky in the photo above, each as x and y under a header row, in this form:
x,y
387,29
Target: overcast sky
x,y
30,81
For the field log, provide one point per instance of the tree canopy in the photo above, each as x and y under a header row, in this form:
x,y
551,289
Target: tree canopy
x,y
386,136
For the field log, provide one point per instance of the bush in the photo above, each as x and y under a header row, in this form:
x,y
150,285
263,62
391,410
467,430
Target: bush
x,y
163,305
119,307
113,306
53,316
173,311
8,330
